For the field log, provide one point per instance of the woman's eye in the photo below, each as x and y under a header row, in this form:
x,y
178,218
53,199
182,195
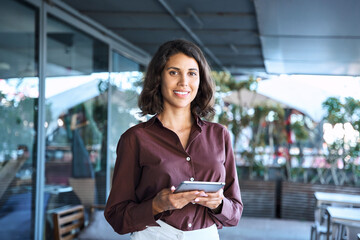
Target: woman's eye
x,y
193,74
172,73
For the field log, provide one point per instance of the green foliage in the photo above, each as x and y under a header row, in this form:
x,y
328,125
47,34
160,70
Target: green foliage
x,y
347,111
233,116
266,121
264,116
335,110
259,169
300,131
226,83
17,123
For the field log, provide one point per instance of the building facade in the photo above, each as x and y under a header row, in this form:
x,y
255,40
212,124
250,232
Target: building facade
x,y
68,90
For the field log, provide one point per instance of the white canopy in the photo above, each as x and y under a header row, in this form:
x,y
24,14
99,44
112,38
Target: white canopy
x,y
250,99
304,93
307,93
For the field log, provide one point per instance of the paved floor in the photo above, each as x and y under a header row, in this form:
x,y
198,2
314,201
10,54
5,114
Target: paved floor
x,y
267,229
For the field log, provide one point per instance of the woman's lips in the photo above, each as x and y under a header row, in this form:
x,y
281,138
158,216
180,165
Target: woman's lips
x,y
181,93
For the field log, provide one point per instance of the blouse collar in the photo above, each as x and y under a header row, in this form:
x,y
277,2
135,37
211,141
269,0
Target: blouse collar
x,y
198,121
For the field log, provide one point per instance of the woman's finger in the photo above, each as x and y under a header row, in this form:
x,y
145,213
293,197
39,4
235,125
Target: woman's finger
x,y
219,193
168,200
212,201
210,204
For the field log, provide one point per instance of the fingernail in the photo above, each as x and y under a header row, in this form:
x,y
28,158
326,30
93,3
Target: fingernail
x,y
172,188
196,200
203,194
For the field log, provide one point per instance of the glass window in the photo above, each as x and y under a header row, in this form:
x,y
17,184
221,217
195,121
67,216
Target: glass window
x,y
126,87
18,100
76,117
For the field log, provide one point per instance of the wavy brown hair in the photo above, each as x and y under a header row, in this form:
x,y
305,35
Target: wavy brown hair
x,y
151,100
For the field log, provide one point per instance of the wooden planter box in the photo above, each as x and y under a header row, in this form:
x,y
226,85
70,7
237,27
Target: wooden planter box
x,y
259,198
298,201
278,198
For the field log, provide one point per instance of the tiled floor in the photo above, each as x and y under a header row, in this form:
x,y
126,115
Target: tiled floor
x,y
267,229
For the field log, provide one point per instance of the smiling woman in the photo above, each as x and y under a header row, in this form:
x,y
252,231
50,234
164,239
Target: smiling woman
x,y
180,82
175,145
150,101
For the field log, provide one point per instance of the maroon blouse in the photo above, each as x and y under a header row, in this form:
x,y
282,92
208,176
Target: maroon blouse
x,y
150,158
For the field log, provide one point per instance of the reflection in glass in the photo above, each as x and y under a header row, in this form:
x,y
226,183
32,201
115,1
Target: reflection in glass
x,y
126,87
76,118
18,101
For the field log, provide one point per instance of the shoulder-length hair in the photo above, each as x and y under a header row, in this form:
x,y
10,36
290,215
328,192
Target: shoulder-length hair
x,y
151,100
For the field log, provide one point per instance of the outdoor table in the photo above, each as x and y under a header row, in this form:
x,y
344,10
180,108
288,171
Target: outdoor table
x,y
342,216
338,198
323,199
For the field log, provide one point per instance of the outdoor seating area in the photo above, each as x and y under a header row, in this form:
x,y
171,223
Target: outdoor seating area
x,y
337,216
284,91
249,228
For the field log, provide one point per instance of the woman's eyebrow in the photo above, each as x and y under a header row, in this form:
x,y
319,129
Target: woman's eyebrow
x,y
178,69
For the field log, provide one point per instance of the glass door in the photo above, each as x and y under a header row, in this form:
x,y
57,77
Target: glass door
x,y
19,87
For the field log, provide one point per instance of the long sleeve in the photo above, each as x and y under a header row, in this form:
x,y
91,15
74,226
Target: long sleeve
x,y
232,206
123,210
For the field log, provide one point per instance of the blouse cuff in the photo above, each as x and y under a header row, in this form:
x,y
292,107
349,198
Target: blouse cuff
x,y
225,213
145,213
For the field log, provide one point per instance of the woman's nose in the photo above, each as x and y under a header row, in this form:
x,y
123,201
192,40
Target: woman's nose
x,y
184,80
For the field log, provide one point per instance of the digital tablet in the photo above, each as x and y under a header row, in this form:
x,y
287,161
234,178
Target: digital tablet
x,y
200,186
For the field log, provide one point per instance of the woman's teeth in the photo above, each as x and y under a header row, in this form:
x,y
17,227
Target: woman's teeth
x,y
181,93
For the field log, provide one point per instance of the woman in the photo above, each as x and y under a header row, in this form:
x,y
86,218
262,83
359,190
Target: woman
x,y
173,146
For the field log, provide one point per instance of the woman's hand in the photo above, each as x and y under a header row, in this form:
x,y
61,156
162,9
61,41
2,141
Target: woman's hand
x,y
211,200
166,199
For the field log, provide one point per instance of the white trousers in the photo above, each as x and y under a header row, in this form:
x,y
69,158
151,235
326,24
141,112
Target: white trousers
x,y
167,232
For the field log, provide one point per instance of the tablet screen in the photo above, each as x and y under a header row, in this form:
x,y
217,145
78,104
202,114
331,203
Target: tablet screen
x,y
200,186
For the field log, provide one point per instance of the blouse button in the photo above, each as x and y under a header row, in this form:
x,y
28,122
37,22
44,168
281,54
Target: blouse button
x,y
192,179
189,225
188,159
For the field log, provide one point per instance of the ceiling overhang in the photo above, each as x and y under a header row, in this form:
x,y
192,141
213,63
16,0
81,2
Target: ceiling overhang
x,y
245,37
310,37
225,30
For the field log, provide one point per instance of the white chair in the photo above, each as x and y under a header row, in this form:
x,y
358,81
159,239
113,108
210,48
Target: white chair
x,y
339,230
319,228
317,231
352,233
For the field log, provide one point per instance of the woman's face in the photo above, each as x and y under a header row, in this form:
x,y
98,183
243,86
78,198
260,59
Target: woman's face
x,y
180,82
